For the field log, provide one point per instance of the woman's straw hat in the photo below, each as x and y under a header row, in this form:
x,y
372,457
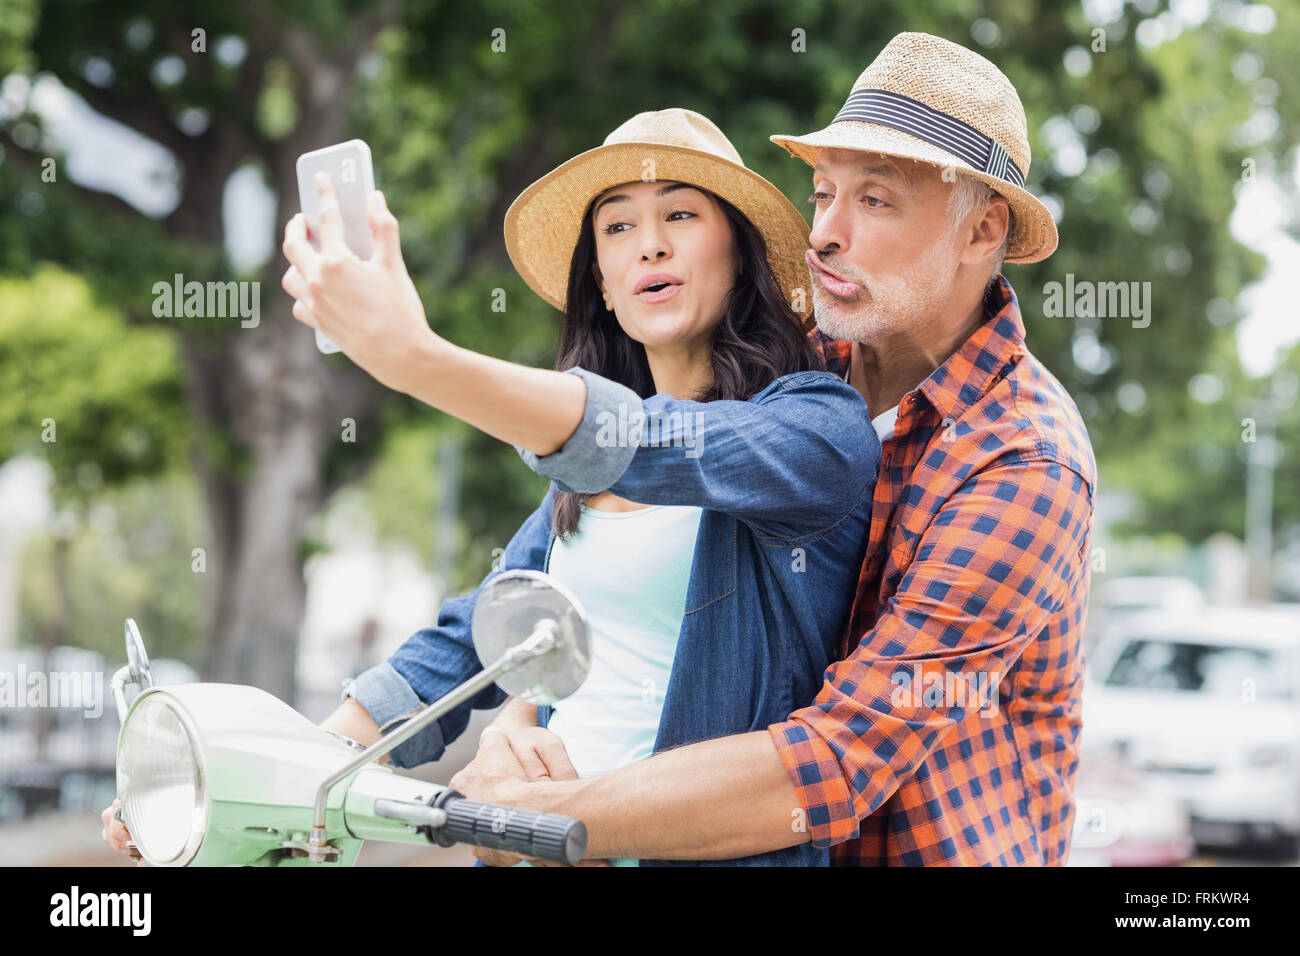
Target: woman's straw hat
x,y
674,145
927,99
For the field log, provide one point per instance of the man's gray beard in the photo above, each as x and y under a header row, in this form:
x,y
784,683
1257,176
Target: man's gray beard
x,y
906,306
858,321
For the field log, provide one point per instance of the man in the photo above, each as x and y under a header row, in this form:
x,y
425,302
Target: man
x,y
948,733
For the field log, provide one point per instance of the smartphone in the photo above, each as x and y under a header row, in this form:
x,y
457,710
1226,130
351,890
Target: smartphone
x,y
350,170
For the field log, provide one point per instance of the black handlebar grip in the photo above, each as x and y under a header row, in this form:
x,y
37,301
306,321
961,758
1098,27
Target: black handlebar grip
x,y
547,836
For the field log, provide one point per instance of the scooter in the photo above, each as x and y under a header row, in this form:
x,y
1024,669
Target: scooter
x,y
224,774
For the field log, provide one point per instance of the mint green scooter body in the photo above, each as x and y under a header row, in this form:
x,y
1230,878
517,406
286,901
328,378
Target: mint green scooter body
x,y
260,764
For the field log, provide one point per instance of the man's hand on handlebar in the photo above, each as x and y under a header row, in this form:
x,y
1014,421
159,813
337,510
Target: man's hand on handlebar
x,y
513,750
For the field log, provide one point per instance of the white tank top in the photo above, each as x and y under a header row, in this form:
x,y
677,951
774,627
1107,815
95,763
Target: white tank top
x,y
630,571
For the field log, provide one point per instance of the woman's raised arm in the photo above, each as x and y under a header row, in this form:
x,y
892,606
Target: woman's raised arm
x,y
796,457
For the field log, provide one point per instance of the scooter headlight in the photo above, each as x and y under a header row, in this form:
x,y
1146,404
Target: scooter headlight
x,y
161,781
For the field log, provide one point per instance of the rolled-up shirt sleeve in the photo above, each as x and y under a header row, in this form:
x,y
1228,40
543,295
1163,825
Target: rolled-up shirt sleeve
x,y
388,698
587,463
991,569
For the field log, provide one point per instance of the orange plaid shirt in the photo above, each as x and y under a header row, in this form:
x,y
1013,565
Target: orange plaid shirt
x,y
948,732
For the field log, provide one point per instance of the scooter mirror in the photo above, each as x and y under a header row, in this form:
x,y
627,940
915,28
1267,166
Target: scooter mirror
x,y
509,610
137,661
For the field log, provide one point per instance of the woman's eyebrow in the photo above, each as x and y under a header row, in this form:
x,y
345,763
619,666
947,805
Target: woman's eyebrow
x,y
617,197
662,191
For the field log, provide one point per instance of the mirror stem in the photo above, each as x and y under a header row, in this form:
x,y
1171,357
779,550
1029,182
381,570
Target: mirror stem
x,y
538,643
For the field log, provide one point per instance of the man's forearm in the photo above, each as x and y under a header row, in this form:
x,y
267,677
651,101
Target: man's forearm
x,y
715,800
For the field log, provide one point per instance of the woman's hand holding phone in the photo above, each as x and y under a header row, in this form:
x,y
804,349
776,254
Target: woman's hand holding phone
x,y
368,307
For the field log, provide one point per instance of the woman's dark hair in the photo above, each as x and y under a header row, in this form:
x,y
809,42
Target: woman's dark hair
x,y
757,341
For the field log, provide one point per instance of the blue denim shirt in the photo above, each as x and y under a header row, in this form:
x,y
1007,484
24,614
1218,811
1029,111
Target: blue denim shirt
x,y
785,480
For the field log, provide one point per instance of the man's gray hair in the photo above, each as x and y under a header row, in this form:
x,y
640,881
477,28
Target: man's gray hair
x,y
969,194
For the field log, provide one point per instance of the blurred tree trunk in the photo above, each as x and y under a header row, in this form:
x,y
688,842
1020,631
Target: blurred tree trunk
x,y
282,400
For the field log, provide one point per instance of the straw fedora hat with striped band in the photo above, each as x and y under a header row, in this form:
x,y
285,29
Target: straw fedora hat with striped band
x,y
543,224
927,99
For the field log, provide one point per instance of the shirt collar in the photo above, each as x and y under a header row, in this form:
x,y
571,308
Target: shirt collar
x,y
961,381
835,352
967,374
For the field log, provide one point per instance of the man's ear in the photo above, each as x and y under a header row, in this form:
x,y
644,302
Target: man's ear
x,y
988,231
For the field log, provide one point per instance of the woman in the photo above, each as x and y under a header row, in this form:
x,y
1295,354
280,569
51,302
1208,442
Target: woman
x,y
715,548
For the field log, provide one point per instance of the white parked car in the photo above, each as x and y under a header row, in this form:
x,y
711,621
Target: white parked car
x,y
1206,704
1117,599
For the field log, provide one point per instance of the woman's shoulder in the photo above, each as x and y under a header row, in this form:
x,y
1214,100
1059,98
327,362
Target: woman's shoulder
x,y
822,403
813,383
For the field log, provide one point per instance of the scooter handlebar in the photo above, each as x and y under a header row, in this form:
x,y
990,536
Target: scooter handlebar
x,y
546,836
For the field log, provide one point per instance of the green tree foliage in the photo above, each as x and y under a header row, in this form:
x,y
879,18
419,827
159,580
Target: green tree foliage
x,y
1139,147
97,399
